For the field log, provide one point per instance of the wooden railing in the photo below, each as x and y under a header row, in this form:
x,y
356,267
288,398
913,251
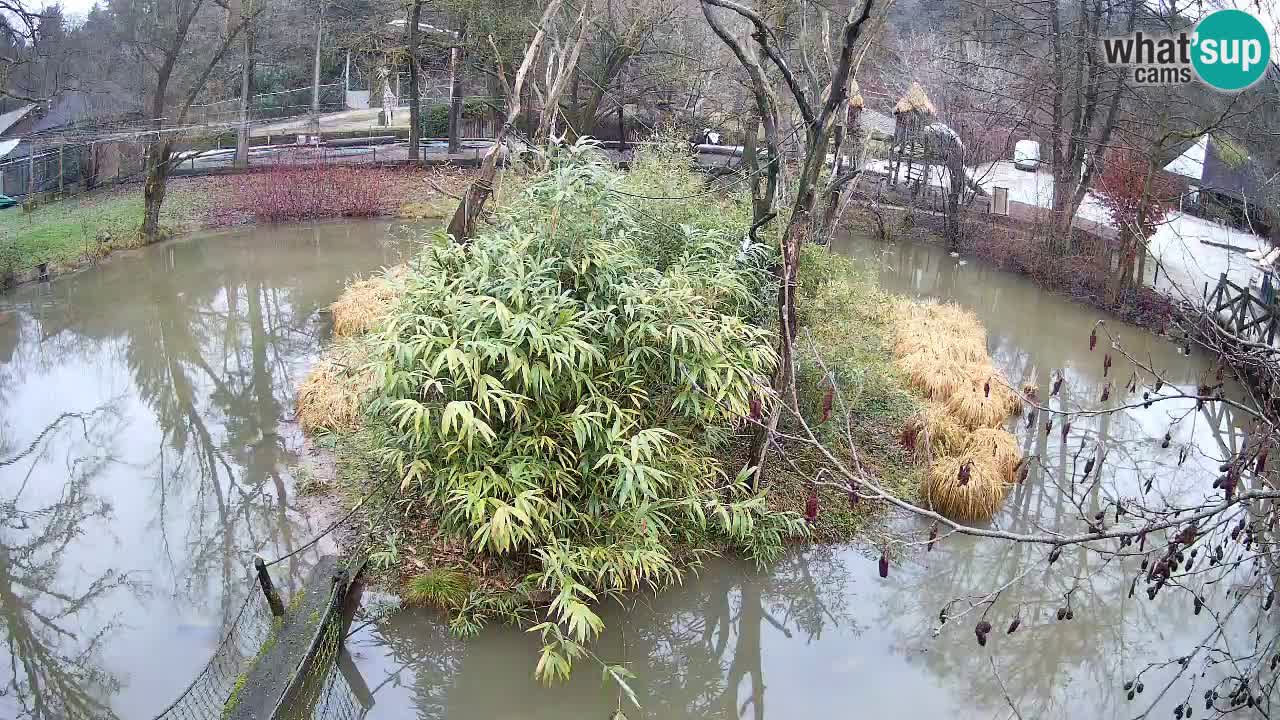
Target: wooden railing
x,y
1246,314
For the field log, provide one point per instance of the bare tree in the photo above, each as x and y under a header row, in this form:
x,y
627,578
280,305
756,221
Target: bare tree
x,y
240,10
564,65
167,40
819,105
462,224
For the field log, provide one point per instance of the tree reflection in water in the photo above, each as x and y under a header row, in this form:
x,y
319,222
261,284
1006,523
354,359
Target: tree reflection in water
x,y
697,650
53,664
203,340
1051,668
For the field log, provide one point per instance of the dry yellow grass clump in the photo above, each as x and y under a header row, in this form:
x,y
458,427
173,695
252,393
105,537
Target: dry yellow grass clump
x,y
970,498
947,330
983,404
330,396
996,447
365,303
933,432
941,348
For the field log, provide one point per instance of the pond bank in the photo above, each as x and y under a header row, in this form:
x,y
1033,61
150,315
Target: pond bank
x,y
1011,244
82,230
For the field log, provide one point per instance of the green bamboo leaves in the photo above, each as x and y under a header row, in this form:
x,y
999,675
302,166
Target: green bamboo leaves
x,y
554,391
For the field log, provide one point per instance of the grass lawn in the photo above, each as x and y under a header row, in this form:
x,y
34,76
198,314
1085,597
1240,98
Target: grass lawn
x,y
86,227
81,229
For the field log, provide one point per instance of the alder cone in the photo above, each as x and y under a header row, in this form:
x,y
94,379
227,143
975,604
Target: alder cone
x,y
981,631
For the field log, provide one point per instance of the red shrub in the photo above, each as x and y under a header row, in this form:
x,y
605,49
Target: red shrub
x,y
308,192
1121,186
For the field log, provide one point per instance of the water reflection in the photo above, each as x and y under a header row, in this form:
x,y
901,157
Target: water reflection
x,y
821,635
698,651
53,669
126,533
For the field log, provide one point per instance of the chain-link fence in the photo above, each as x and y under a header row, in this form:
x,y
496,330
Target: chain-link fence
x,y
272,106
206,698
321,682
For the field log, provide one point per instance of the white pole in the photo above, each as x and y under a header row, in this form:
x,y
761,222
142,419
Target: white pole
x,y
315,88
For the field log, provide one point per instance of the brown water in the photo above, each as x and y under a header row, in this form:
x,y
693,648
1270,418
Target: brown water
x,y
125,532
146,447
821,635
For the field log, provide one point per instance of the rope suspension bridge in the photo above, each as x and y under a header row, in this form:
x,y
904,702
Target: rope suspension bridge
x,y
284,658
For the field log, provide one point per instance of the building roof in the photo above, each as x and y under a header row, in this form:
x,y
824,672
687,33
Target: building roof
x,y
1227,171
7,146
1190,164
7,120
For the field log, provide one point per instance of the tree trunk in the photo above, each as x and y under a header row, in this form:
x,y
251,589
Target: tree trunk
x,y
1123,267
1131,241
153,191
846,134
455,95
551,105
246,95
622,122
315,74
463,223
415,92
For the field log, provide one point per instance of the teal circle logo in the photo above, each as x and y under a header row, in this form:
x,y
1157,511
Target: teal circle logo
x,y
1231,50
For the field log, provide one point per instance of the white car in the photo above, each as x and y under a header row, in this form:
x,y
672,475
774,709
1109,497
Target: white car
x,y
1026,155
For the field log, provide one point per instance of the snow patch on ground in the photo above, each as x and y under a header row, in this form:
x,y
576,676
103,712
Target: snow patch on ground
x,y
1186,261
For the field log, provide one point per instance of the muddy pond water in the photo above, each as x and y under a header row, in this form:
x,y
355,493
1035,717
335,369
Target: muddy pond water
x,y
146,444
145,454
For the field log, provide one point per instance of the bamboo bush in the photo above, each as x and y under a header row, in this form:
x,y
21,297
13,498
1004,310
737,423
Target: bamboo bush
x,y
556,397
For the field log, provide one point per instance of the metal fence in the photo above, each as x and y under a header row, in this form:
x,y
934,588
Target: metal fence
x,y
326,685
207,696
272,106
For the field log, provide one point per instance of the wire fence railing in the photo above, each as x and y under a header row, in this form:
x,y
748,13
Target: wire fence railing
x,y
273,105
329,686
207,696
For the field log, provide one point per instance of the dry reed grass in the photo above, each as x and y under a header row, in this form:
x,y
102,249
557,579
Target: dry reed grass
x,y
941,349
365,303
915,100
946,330
932,432
999,447
984,400
932,374
330,396
976,499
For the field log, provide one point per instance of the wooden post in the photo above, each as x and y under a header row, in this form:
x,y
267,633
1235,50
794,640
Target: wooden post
x,y
622,123
61,176
268,588
31,172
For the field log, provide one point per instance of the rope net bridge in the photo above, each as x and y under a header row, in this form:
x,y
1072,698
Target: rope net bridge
x,y
284,659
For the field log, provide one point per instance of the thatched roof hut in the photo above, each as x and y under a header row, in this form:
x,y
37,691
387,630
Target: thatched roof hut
x,y
855,95
915,100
